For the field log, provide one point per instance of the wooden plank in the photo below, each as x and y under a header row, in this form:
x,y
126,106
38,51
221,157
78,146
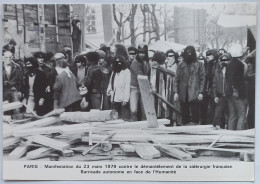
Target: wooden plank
x,y
176,153
127,148
67,153
148,101
18,152
10,141
147,152
11,106
92,116
168,103
39,123
39,153
46,141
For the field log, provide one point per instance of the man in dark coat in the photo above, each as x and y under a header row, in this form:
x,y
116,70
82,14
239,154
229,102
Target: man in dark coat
x,y
213,62
35,85
189,85
222,92
93,80
237,80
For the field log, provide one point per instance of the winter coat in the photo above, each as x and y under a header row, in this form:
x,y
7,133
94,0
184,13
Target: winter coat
x,y
39,86
94,79
237,77
65,90
15,80
189,79
221,84
210,71
120,87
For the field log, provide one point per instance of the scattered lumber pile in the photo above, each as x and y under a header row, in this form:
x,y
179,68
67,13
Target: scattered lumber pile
x,y
99,135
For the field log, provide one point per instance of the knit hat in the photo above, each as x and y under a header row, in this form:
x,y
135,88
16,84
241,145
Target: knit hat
x,y
132,48
225,57
102,54
213,52
93,57
39,55
169,51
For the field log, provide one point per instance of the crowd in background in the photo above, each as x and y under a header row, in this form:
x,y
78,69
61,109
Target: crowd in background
x,y
213,88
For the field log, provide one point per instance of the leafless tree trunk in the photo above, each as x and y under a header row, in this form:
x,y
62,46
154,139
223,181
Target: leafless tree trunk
x,y
132,24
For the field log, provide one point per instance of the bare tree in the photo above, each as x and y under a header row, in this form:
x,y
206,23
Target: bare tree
x,y
120,19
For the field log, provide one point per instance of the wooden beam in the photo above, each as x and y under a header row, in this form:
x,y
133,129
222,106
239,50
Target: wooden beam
x,y
11,106
148,101
92,116
127,148
168,103
39,153
176,153
39,123
18,152
46,141
10,141
147,152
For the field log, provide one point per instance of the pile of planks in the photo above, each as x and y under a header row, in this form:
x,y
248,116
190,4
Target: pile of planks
x,y
99,135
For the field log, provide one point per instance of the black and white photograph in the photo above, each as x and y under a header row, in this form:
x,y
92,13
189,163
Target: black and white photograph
x,y
144,92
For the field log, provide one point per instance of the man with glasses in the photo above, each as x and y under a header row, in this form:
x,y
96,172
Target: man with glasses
x,y
132,53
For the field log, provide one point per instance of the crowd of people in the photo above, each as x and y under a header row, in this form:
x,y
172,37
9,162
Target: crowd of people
x,y
217,88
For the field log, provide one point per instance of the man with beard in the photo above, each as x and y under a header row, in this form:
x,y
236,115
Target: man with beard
x,y
212,58
189,85
35,85
140,66
119,86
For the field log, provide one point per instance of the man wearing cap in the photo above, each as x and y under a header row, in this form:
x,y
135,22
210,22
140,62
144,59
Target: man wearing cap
x,y
40,56
222,92
12,79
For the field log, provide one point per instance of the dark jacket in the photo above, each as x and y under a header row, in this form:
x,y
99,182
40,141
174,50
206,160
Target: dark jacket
x,y
221,84
15,79
189,79
237,77
74,70
94,79
137,68
39,86
210,71
65,90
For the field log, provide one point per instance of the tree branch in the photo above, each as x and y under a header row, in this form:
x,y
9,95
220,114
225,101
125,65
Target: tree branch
x,y
114,15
